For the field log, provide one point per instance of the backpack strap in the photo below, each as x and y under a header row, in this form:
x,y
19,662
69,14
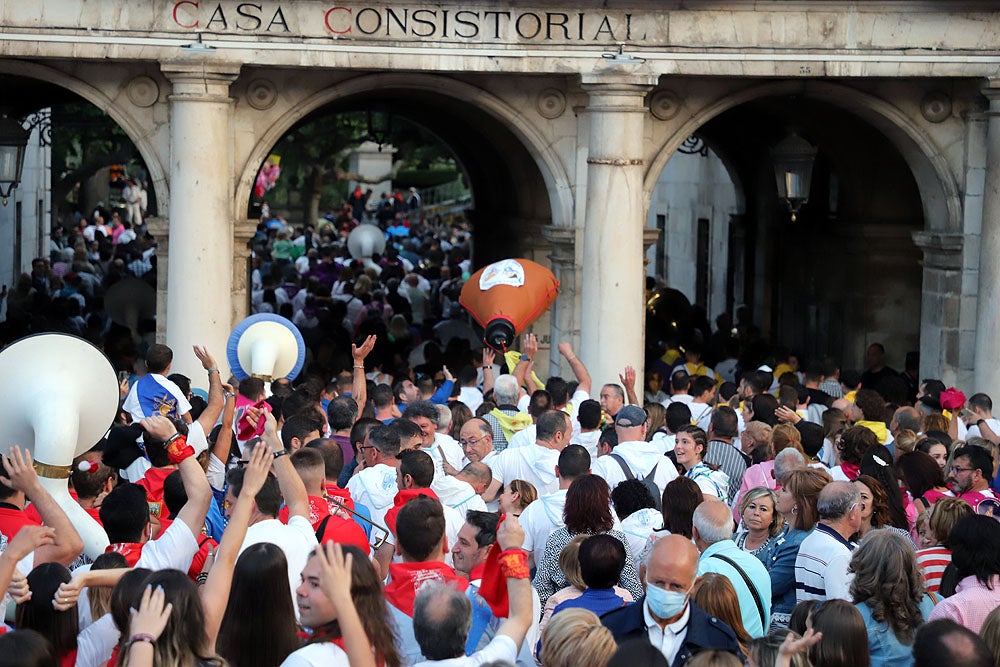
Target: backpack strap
x,y
322,528
746,580
624,466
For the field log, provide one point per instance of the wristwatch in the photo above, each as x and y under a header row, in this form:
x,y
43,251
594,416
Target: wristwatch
x,y
525,357
280,453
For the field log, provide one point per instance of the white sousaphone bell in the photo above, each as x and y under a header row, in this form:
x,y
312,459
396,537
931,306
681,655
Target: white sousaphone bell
x,y
66,401
266,346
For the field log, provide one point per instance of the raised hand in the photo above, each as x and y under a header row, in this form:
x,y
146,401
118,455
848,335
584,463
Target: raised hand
x,y
628,377
159,427
21,474
489,356
205,357
153,614
256,470
28,539
359,353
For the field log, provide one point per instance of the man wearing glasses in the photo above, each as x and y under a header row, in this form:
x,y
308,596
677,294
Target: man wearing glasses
x,y
476,438
821,567
971,472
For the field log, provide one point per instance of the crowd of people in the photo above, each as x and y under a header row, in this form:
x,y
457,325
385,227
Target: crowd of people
x,y
414,498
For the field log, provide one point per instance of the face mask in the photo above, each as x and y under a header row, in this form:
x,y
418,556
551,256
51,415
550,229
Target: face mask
x,y
663,603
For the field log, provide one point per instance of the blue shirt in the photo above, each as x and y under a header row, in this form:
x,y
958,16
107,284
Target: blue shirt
x,y
885,648
782,570
755,571
598,600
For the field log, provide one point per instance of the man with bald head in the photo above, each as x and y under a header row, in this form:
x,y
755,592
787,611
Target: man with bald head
x,y
666,617
713,535
476,439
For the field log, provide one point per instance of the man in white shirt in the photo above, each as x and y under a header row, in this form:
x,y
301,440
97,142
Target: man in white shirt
x,y
980,410
535,464
666,617
374,483
633,452
296,538
703,391
542,517
821,567
679,383
441,447
476,440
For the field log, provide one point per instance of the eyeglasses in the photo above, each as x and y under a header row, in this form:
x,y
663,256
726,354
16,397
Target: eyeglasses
x,y
471,441
364,447
957,469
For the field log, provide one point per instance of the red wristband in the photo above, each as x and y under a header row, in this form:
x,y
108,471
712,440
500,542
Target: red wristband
x,y
178,449
514,564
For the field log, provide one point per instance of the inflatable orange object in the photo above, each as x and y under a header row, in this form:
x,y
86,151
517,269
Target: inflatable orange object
x,y
506,296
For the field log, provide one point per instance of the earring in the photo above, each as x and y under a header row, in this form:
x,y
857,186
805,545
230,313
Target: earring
x,y
795,509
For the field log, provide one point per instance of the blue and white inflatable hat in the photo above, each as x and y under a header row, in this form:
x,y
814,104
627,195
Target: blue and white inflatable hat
x,y
266,346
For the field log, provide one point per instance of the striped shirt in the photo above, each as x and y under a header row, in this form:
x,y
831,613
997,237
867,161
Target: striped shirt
x,y
933,561
821,566
731,461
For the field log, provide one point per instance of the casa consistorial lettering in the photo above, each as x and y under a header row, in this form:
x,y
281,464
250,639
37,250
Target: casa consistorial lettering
x,y
366,21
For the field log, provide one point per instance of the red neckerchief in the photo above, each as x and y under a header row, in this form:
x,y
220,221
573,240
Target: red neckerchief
x,y
478,571
318,509
493,587
407,578
403,497
153,482
244,429
131,551
68,659
851,470
335,493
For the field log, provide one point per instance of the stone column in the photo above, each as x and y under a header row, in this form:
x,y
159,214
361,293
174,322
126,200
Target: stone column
x,y
563,260
987,361
200,282
243,231
160,229
612,320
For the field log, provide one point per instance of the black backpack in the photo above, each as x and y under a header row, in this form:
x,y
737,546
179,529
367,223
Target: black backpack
x,y
647,481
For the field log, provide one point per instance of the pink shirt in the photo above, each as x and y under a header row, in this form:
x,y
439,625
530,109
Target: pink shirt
x,y
971,603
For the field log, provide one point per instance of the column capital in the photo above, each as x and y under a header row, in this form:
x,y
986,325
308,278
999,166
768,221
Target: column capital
x,y
649,236
199,80
158,227
244,230
941,250
620,93
618,81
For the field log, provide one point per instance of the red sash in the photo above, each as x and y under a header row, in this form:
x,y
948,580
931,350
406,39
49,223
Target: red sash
x,y
407,578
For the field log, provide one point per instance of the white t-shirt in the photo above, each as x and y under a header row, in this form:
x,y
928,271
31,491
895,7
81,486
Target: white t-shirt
x,y
974,432
540,518
296,539
501,648
444,443
323,654
638,526
173,550
471,396
375,488
524,438
588,441
640,456
535,464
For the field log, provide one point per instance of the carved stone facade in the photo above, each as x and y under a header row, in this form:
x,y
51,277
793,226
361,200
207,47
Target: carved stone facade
x,y
564,115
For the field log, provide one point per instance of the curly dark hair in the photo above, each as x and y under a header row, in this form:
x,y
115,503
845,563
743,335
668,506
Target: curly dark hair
x,y
854,442
888,579
588,506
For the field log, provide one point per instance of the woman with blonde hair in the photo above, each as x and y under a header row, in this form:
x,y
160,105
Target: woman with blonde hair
x,y
715,594
576,638
888,590
517,495
762,524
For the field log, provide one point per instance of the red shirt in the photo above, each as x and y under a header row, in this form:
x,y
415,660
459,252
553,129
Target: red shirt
x,y
153,483
13,519
205,544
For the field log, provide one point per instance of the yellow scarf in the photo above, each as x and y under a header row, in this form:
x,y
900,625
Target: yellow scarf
x,y
850,395
512,358
511,424
878,428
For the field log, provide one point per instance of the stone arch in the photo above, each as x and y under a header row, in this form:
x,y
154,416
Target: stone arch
x,y
137,133
939,191
557,182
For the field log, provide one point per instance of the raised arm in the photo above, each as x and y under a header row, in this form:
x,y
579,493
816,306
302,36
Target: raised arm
x,y
489,356
514,565
29,539
224,443
579,370
359,390
215,592
628,381
196,486
21,476
216,400
292,488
